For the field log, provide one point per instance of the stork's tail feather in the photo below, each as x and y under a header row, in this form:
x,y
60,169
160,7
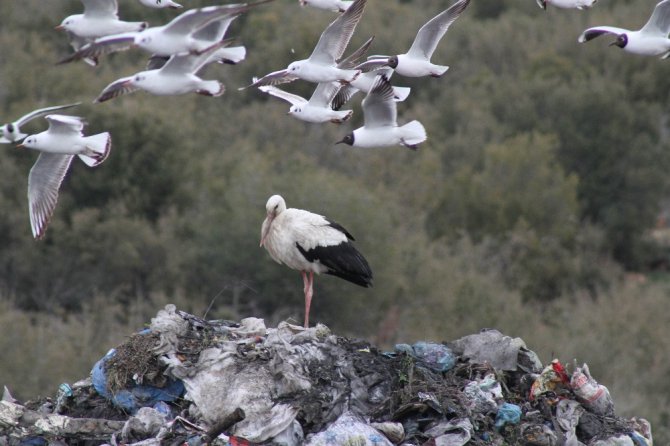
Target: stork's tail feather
x,y
98,149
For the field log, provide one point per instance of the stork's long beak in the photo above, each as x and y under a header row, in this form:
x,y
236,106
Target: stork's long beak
x,y
266,228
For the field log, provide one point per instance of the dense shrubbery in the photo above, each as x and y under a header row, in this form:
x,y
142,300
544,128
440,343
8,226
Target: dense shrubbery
x,y
544,170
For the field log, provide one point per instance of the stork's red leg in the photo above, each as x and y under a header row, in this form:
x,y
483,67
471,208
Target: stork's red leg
x,y
308,297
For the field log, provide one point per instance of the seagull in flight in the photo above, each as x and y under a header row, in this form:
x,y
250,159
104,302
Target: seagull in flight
x,y
58,146
177,76
321,66
100,18
179,36
416,62
650,40
11,131
379,117
317,109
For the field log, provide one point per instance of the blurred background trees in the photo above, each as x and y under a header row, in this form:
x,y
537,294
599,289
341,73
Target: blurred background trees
x,y
534,206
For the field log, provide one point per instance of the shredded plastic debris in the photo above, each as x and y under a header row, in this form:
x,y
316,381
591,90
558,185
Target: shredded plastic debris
x,y
247,384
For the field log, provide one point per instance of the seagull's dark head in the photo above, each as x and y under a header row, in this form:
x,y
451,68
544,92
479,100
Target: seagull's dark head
x,y
349,139
9,128
393,62
621,41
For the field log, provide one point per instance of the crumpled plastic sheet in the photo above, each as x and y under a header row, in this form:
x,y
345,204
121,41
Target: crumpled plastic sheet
x,y
455,432
146,423
136,396
435,356
349,429
482,395
502,352
568,413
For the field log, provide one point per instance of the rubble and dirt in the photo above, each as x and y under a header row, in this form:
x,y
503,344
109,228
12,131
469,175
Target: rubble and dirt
x,y
188,381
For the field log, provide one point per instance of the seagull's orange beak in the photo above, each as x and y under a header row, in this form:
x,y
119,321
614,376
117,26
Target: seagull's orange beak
x,y
59,28
20,146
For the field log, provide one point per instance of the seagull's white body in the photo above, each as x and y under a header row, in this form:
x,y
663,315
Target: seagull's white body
x,y
567,4
100,18
160,4
416,62
328,5
310,243
11,131
650,40
380,128
59,144
177,76
317,109
322,65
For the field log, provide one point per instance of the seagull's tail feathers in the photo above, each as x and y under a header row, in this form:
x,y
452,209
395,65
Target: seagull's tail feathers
x,y
230,55
211,88
439,70
98,149
413,133
400,93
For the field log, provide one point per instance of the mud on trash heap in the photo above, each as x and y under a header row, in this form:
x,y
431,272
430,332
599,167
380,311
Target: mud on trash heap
x,y
188,381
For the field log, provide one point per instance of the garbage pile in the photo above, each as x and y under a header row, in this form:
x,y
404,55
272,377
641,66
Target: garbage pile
x,y
188,381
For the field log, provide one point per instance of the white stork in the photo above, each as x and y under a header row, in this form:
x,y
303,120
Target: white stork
x,y
311,244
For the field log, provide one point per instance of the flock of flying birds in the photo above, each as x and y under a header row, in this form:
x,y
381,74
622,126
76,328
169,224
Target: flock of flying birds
x,y
180,49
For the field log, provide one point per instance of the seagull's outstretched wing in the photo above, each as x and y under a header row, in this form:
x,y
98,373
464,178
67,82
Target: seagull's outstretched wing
x,y
379,109
432,32
659,22
274,78
356,57
596,31
293,99
196,19
101,9
64,124
103,45
336,37
324,94
42,112
44,181
117,88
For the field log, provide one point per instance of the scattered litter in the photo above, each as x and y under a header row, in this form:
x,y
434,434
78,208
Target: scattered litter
x,y
595,397
507,414
349,429
437,357
195,382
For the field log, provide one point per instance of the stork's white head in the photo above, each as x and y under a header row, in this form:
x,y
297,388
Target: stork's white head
x,y
275,206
